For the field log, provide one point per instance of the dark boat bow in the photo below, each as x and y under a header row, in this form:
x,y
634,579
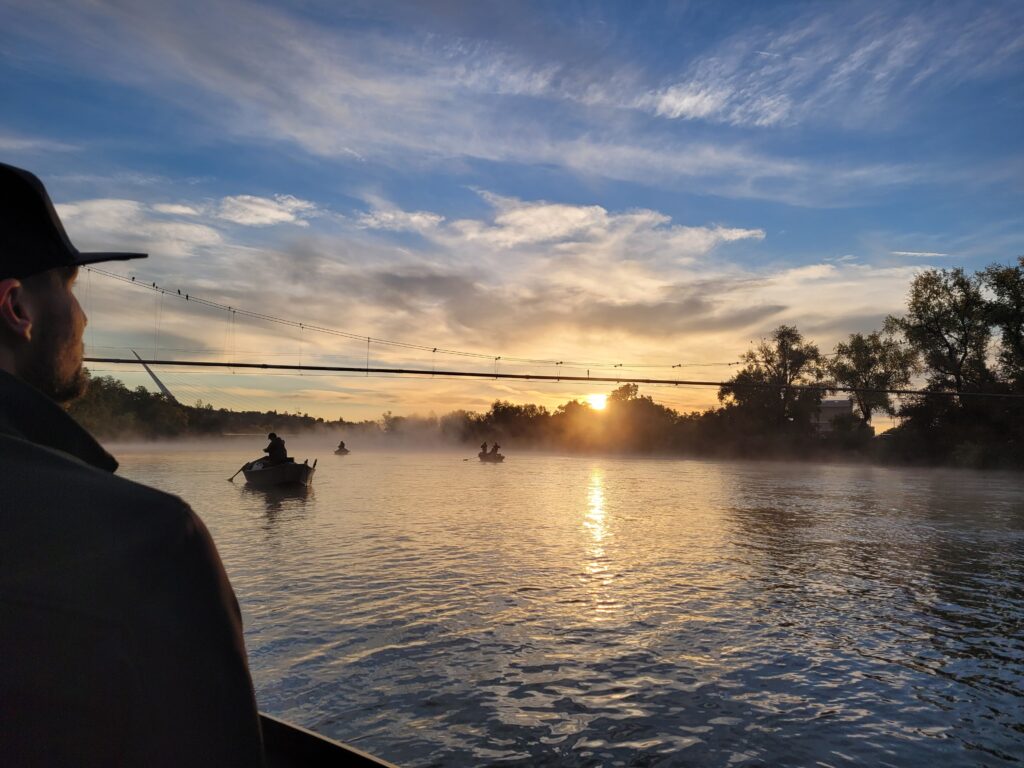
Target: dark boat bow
x,y
289,746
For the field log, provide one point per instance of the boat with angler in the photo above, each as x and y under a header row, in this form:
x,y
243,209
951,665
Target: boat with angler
x,y
262,474
491,458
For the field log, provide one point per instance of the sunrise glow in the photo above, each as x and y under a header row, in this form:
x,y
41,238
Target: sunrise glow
x,y
597,402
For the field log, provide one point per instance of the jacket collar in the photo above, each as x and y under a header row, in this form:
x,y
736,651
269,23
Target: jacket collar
x,y
27,413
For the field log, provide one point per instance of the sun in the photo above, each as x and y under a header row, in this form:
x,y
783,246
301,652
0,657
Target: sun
x,y
597,402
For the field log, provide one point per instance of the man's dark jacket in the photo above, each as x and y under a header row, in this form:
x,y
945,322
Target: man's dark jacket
x,y
120,637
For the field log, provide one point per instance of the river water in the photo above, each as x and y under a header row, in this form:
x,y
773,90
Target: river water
x,y
608,611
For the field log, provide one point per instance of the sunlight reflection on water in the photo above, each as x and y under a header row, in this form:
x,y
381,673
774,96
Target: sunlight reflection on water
x,y
602,611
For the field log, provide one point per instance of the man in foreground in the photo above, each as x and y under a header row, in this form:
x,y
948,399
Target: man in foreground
x,y
120,637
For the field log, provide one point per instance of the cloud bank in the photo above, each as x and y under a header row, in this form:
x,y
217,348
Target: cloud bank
x,y
532,278
367,92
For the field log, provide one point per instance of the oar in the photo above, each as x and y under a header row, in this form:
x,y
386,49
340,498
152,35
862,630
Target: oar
x,y
232,478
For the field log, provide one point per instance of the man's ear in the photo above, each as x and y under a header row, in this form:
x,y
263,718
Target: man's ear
x,y
15,315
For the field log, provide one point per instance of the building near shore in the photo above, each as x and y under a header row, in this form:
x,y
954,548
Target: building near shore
x,y
829,411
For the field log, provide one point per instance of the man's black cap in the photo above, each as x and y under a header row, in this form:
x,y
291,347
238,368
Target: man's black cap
x,y
32,239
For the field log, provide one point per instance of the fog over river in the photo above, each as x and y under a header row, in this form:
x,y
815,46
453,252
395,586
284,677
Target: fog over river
x,y
560,610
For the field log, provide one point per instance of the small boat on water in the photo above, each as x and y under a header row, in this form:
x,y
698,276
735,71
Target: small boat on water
x,y
493,458
342,451
261,475
289,746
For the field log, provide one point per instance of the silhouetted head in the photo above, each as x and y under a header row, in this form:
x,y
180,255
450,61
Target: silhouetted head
x,y
41,321
272,436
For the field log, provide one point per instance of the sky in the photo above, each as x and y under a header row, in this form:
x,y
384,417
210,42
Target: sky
x,y
634,189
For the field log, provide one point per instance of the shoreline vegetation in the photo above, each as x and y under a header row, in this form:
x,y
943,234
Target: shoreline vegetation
x,y
961,334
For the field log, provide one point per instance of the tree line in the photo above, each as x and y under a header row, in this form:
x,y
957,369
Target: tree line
x,y
961,335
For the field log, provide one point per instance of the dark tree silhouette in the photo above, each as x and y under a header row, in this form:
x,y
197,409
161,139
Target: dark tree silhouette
x,y
873,362
1006,311
947,321
763,391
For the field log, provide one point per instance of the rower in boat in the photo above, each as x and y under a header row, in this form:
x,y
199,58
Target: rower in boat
x,y
341,450
492,455
277,469
276,452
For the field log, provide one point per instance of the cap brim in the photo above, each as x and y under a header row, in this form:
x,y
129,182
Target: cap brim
x,y
96,258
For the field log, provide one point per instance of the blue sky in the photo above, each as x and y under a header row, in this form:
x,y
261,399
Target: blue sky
x,y
651,183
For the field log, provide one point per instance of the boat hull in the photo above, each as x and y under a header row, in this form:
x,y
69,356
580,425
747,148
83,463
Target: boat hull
x,y
342,452
289,746
290,473
491,458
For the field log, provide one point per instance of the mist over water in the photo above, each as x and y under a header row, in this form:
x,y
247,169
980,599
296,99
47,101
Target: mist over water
x,y
604,611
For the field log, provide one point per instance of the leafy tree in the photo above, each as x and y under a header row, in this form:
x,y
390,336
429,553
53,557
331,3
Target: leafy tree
x,y
575,426
766,392
508,420
947,321
872,362
457,425
635,422
624,394
389,423
1006,312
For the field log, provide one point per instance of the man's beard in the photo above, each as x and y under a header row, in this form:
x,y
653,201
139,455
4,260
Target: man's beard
x,y
54,365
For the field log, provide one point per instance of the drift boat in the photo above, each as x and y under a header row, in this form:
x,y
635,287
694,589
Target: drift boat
x,y
289,746
342,451
493,458
259,475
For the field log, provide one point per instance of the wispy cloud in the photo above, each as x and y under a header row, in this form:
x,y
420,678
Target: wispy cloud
x,y
854,64
919,254
258,72
109,224
568,231
400,221
176,209
176,229
16,144
253,211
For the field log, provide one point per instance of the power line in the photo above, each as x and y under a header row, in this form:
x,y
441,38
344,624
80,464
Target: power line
x,y
552,377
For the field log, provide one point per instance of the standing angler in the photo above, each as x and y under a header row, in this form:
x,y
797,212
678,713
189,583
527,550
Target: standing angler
x,y
120,637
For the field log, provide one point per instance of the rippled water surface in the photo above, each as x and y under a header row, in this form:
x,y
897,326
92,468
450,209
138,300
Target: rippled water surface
x,y
603,611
